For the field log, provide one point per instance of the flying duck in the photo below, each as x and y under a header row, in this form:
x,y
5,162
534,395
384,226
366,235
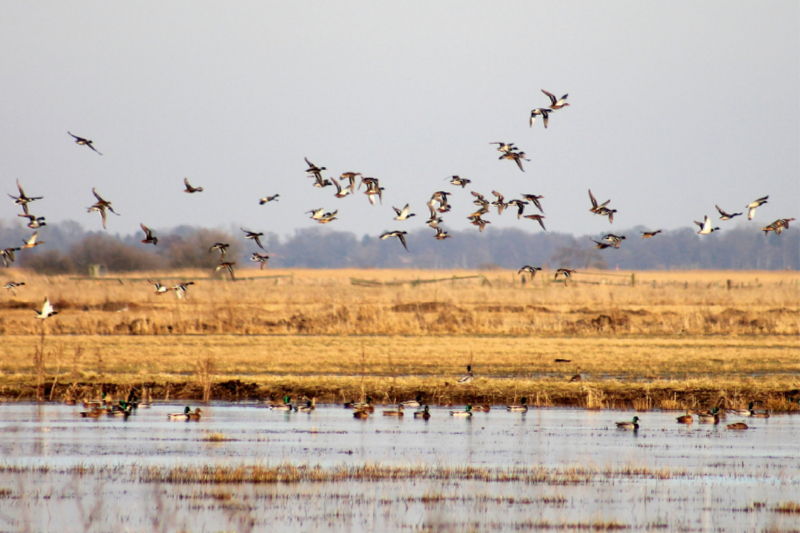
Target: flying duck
x,y
181,288
440,234
544,112
8,255
22,199
505,147
254,236
615,240
47,310
398,234
500,203
753,205
706,227
648,234
12,286
534,199
606,212
221,247
519,204
328,217
339,192
556,103
531,270
601,245
459,182
566,272
403,214
595,206
468,377
31,243
83,142
726,216
314,169
260,258
317,214
160,289
189,188
227,266
351,178
476,220
517,157
149,238
537,218
34,222
273,198
633,425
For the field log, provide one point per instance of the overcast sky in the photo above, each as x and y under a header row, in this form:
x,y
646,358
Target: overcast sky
x,y
675,107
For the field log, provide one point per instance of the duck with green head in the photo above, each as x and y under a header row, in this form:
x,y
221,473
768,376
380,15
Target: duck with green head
x,y
711,417
521,408
425,414
633,425
743,412
467,413
285,406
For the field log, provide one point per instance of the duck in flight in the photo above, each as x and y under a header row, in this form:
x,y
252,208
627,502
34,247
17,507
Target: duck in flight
x,y
83,142
160,289
726,216
189,188
181,288
519,204
47,310
537,218
34,222
403,214
534,199
32,243
8,255
566,272
751,207
221,247
441,234
459,181
505,147
351,178
253,236
517,157
556,103
227,266
22,199
273,198
260,258
649,234
399,234
544,112
314,169
706,227
529,269
149,238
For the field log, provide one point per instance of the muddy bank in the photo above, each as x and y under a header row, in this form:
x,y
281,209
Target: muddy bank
x,y
673,395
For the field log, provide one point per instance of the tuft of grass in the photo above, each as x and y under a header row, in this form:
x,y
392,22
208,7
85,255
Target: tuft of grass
x,y
787,507
216,437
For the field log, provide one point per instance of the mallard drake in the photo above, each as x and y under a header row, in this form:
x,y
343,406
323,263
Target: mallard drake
x,y
365,406
759,414
499,203
601,245
285,406
227,266
649,234
534,199
709,417
751,207
189,188
403,214
149,238
556,103
606,212
8,255
351,178
47,310
634,424
399,234
706,227
267,199
476,220
467,413
34,222
517,157
398,412
529,269
314,169
440,234
566,272
424,414
12,286
519,204
595,205
685,419
180,416
737,426
361,414
160,289
412,404
726,216
504,147
615,240
521,408
327,218
317,214
253,236
83,142
468,377
743,412
537,218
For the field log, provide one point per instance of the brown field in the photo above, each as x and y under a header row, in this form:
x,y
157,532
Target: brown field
x,y
672,340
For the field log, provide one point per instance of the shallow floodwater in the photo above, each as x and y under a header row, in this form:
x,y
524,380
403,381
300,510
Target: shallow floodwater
x,y
704,477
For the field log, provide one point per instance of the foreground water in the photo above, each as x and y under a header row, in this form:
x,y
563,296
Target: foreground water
x,y
663,477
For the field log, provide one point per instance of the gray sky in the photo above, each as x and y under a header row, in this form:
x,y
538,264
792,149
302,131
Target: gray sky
x,y
675,107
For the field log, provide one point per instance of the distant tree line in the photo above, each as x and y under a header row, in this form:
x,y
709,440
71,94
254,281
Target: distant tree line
x,y
70,249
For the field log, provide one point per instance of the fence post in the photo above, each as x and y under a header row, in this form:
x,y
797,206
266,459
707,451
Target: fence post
x,y
633,280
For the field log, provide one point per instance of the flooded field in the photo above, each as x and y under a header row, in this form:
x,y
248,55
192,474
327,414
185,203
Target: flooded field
x,y
244,467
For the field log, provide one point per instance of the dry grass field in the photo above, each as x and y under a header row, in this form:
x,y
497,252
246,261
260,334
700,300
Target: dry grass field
x,y
647,340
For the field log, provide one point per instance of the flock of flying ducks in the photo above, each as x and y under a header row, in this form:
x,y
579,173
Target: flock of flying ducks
x,y
438,204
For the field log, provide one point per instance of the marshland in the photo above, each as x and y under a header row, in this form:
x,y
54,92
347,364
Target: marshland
x,y
650,344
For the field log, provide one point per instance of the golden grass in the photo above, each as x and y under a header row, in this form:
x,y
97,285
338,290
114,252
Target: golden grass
x,y
673,340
